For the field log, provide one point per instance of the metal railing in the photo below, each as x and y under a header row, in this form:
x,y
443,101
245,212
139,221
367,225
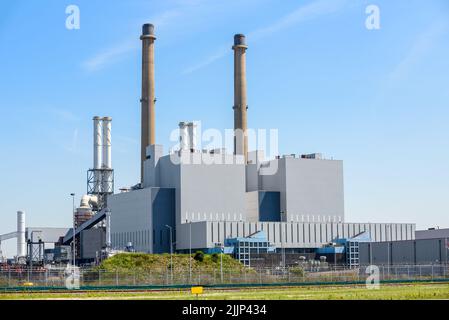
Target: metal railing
x,y
56,278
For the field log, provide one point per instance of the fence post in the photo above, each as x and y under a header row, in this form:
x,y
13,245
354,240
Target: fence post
x,y
9,277
432,271
116,278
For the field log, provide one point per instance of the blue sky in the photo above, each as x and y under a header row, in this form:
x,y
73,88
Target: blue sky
x,y
377,99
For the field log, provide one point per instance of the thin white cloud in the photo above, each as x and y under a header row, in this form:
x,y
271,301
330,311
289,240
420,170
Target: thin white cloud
x,y
310,11
422,45
73,147
63,115
109,56
223,51
121,50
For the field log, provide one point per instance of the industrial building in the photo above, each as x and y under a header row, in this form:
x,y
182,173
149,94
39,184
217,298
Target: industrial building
x,y
210,196
33,243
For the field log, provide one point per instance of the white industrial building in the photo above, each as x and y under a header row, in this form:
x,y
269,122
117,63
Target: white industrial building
x,y
209,196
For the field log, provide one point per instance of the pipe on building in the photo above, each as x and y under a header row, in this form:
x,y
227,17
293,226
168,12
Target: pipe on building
x,y
183,136
97,152
187,136
148,98
240,103
21,243
88,201
192,136
106,157
108,228
97,142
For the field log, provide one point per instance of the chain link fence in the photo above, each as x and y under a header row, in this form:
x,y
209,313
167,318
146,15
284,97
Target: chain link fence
x,y
56,278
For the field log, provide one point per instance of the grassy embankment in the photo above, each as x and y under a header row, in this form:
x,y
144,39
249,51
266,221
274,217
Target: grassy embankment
x,y
386,292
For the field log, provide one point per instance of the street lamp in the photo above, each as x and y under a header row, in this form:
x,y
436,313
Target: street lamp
x,y
282,240
221,246
74,239
190,249
171,252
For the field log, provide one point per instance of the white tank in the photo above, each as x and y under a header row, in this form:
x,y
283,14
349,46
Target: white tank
x,y
21,243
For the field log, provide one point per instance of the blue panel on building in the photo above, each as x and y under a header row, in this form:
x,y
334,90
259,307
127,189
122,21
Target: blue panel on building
x,y
163,214
269,206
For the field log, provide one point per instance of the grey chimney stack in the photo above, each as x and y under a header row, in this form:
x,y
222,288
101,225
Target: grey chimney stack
x,y
148,99
240,105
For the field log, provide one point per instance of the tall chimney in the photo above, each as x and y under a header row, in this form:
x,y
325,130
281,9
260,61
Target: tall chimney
x,y
240,106
148,100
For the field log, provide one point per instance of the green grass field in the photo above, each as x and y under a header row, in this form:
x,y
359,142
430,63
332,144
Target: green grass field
x,y
386,292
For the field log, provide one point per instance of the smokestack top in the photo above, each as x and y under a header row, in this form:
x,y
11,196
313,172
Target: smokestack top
x,y
239,40
96,118
148,31
106,119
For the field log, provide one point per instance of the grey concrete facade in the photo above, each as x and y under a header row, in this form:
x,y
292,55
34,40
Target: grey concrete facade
x,y
288,234
92,242
140,217
417,251
208,187
311,190
432,233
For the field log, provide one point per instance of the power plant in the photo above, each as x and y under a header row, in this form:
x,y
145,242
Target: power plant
x,y
239,202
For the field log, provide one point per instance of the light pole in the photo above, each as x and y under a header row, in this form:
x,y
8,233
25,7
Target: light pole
x,y
388,248
282,240
221,262
446,246
74,238
221,246
171,252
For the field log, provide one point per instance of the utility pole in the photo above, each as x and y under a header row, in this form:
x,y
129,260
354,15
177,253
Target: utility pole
x,y
171,252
